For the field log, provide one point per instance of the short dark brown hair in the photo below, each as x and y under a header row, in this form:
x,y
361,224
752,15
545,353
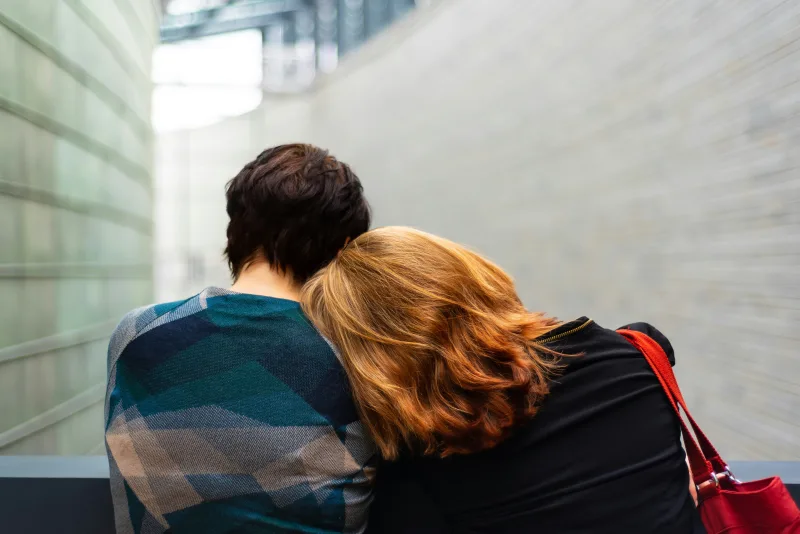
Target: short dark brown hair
x,y
294,205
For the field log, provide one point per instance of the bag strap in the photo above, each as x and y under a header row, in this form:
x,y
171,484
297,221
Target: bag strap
x,y
660,363
704,460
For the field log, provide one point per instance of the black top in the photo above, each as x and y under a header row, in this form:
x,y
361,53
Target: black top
x,y
603,455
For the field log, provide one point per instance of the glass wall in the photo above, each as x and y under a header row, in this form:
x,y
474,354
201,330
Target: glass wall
x,y
75,210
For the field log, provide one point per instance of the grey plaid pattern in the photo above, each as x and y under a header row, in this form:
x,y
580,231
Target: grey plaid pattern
x,y
205,432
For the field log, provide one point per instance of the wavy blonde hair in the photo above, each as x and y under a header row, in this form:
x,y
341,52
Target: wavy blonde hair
x,y
437,345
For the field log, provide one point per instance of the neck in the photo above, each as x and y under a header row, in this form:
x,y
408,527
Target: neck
x,y
260,278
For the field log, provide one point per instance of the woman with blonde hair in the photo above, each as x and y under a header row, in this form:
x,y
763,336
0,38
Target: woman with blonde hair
x,y
491,418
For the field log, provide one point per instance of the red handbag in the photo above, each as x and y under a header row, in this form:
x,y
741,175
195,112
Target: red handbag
x,y
727,505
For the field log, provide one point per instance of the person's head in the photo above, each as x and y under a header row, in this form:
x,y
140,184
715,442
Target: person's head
x,y
437,344
294,207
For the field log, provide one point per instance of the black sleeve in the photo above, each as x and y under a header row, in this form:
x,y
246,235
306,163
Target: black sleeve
x,y
402,505
653,332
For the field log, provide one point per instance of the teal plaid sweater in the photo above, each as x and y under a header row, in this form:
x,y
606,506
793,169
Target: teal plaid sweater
x,y
230,413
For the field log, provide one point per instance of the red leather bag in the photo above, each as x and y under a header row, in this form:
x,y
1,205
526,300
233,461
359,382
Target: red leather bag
x,y
727,505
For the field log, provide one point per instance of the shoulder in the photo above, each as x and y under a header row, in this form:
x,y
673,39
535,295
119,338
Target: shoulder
x,y
656,335
136,322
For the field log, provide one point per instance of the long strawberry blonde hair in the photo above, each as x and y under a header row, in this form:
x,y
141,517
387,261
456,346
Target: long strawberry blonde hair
x,y
438,347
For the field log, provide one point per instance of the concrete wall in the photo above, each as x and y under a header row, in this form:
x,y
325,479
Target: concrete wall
x,y
625,160
75,209
192,168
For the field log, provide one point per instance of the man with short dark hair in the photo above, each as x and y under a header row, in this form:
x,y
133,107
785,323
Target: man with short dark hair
x,y
228,412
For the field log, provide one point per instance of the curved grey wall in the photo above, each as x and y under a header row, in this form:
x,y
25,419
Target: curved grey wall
x,y
75,209
625,160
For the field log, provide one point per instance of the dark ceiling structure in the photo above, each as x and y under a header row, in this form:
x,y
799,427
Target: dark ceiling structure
x,y
344,23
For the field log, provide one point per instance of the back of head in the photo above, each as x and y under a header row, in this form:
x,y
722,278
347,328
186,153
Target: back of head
x,y
294,206
435,341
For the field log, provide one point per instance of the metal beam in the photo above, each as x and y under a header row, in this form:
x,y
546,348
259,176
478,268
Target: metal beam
x,y
231,17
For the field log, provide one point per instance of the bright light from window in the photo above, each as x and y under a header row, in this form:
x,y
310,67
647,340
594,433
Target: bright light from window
x,y
203,81
229,59
178,108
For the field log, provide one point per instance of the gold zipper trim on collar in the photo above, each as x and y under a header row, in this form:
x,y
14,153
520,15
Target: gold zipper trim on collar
x,y
564,334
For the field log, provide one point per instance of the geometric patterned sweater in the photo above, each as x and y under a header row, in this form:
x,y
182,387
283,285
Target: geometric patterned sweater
x,y
228,413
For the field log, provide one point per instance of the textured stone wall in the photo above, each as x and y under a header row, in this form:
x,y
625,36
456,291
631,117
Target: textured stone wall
x,y
625,160
75,209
